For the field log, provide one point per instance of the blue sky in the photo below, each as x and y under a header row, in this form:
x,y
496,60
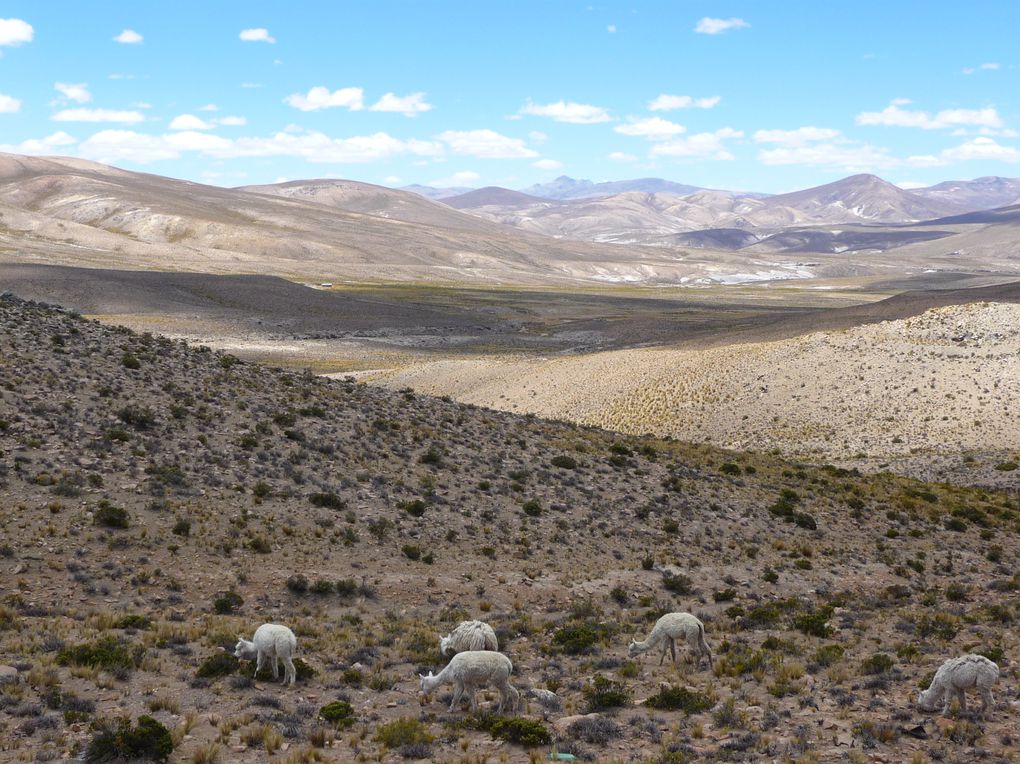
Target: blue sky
x,y
741,95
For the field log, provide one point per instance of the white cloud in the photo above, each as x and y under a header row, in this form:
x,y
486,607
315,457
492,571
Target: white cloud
x,y
797,137
463,178
983,67
537,136
894,116
709,25
846,156
259,34
189,122
13,32
982,148
547,164
209,107
251,85
9,104
78,93
40,146
98,115
391,180
410,105
231,121
908,185
664,102
611,29
322,98
141,105
655,128
486,144
619,156
119,76
126,146
567,111
699,146
129,37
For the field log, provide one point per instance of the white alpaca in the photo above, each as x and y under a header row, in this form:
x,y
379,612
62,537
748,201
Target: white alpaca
x,y
469,635
473,669
956,675
273,641
667,630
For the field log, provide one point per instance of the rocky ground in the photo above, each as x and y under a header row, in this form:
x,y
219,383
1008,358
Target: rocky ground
x,y
156,500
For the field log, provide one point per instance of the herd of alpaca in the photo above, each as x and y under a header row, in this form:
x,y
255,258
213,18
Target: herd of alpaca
x,y
475,662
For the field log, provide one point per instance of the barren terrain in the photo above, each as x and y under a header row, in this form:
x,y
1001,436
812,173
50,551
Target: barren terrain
x,y
161,499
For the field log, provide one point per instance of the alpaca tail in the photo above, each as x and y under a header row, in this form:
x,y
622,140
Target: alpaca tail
x,y
704,644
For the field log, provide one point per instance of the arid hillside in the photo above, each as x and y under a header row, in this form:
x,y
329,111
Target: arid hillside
x,y
941,384
157,500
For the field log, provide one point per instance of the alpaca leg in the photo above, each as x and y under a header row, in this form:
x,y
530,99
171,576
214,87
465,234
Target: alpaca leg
x,y
672,649
665,648
515,698
260,659
963,699
275,665
289,671
987,701
458,690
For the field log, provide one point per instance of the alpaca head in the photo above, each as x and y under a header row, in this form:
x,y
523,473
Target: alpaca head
x,y
927,700
633,650
444,643
245,649
425,682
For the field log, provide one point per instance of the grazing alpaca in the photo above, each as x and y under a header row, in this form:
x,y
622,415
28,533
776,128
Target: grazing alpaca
x,y
273,641
667,630
956,675
473,669
469,635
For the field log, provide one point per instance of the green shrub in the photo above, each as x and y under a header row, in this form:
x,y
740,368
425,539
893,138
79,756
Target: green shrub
x,y
148,740
260,544
138,417
411,551
1007,466
680,699
602,693
401,732
879,663
298,583
217,665
433,456
130,361
742,660
338,712
940,626
415,507
105,653
322,586
110,516
182,527
578,639
565,462
729,468
814,624
677,583
328,499
132,621
726,595
532,508
520,731
826,655
227,602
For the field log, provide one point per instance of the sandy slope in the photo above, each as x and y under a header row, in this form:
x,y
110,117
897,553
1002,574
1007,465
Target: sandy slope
x,y
943,382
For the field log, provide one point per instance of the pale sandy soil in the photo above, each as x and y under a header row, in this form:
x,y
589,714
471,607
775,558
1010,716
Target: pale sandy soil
x,y
944,382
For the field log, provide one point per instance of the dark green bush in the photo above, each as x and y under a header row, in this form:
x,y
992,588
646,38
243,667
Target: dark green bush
x,y
520,731
578,639
729,468
132,621
216,665
879,663
814,624
680,699
826,655
182,527
415,507
130,361
148,740
532,508
602,693
401,732
677,583
105,653
565,462
137,416
227,602
411,551
328,499
110,516
725,595
322,586
298,583
338,712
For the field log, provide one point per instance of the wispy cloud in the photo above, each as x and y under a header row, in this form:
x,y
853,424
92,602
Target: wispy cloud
x,y
567,111
40,146
258,34
410,105
650,127
322,98
129,37
486,144
209,107
798,137
983,67
231,121
458,179
189,122
982,148
894,115
13,32
709,25
98,115
547,164
620,156
699,146
79,93
666,102
9,104
847,157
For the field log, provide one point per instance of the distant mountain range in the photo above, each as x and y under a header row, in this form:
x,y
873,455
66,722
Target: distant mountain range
x,y
67,211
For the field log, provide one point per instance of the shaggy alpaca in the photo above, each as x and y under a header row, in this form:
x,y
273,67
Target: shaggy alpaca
x,y
473,669
956,675
273,641
469,635
667,630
